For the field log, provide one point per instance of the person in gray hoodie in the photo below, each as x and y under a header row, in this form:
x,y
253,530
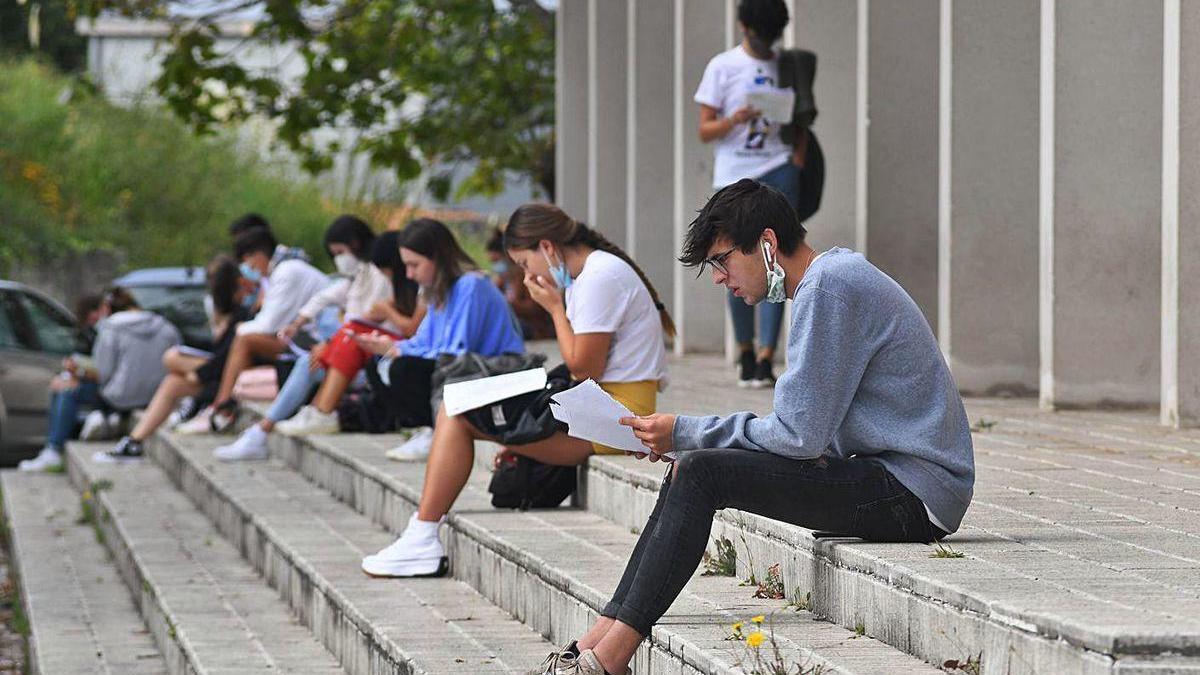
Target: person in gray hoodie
x,y
868,437
130,343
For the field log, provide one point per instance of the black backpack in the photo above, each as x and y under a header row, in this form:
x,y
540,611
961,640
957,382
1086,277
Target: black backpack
x,y
529,484
797,70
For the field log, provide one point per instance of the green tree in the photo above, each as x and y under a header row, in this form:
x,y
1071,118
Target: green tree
x,y
421,83
45,27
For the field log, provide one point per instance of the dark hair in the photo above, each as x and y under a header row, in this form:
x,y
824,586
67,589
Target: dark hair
x,y
222,282
118,299
86,305
385,253
246,223
741,212
353,232
256,240
767,18
531,223
434,240
495,242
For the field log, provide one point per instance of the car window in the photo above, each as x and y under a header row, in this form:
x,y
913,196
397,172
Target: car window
x,y
8,331
55,331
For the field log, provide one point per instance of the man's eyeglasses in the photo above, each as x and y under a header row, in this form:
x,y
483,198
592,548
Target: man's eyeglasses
x,y
717,262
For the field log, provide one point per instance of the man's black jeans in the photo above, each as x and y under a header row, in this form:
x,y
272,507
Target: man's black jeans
x,y
856,497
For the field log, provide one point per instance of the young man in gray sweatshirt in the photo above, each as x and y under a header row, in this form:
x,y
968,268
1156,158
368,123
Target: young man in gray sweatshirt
x,y
868,437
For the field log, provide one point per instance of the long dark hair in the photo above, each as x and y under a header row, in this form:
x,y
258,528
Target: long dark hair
x,y
385,253
531,223
435,241
353,232
222,280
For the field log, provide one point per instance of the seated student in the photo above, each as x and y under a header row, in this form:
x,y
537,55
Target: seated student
x,y
130,343
189,372
289,284
466,314
535,321
610,328
868,437
393,303
69,392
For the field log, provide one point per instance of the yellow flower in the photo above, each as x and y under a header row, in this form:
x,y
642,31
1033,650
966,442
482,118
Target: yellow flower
x,y
755,639
737,626
757,620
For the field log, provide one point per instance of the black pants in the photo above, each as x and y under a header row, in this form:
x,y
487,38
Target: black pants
x,y
407,395
857,497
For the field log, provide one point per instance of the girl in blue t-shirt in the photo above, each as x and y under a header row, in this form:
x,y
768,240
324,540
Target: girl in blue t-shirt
x,y
466,313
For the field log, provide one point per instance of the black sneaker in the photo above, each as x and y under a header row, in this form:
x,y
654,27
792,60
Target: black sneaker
x,y
126,449
224,417
746,370
763,377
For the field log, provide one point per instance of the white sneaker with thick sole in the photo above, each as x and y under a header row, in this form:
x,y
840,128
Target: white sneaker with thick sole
x,y
197,425
95,427
415,449
48,459
251,445
309,421
417,553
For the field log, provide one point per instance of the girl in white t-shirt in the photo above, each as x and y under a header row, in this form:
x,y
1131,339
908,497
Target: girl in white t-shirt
x,y
610,327
747,145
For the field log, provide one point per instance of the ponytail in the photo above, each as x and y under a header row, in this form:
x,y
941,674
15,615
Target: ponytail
x,y
531,223
588,236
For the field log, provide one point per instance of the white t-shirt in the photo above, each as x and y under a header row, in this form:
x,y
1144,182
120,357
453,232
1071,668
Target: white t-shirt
x,y
609,297
750,150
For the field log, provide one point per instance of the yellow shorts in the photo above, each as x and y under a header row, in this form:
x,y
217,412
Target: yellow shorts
x,y
639,397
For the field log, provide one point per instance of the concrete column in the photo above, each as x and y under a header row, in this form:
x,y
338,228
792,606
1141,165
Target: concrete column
x,y
901,235
700,33
1100,202
650,152
830,28
988,194
1180,387
571,106
607,117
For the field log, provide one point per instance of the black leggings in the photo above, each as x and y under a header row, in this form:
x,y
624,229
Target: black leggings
x,y
857,497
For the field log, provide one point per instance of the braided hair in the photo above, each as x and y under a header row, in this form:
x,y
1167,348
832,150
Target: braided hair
x,y
531,223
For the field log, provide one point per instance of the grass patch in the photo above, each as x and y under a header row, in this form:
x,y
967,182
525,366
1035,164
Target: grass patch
x,y
972,665
941,550
983,425
724,562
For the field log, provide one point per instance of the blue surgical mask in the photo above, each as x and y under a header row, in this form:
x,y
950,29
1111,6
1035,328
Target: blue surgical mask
x,y
250,273
500,268
775,291
562,278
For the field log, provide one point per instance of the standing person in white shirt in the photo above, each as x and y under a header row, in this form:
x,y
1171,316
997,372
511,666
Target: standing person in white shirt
x,y
291,284
748,145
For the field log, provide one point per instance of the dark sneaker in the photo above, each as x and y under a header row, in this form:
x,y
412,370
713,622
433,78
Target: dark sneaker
x,y
763,377
126,449
746,370
224,417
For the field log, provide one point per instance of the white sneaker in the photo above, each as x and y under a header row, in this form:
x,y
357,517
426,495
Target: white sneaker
x,y
417,553
251,445
49,458
95,426
415,449
309,421
198,424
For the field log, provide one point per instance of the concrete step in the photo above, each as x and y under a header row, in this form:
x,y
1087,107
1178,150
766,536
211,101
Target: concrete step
x,y
309,546
208,610
555,568
81,616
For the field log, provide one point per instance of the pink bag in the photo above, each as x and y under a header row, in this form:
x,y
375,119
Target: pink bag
x,y
256,384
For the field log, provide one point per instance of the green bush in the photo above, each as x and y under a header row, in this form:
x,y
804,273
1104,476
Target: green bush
x,y
79,173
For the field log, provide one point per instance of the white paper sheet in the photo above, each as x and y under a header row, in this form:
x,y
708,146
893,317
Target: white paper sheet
x,y
460,397
594,416
775,105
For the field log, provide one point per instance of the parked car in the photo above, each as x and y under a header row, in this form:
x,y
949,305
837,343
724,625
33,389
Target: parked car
x,y
176,294
36,334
